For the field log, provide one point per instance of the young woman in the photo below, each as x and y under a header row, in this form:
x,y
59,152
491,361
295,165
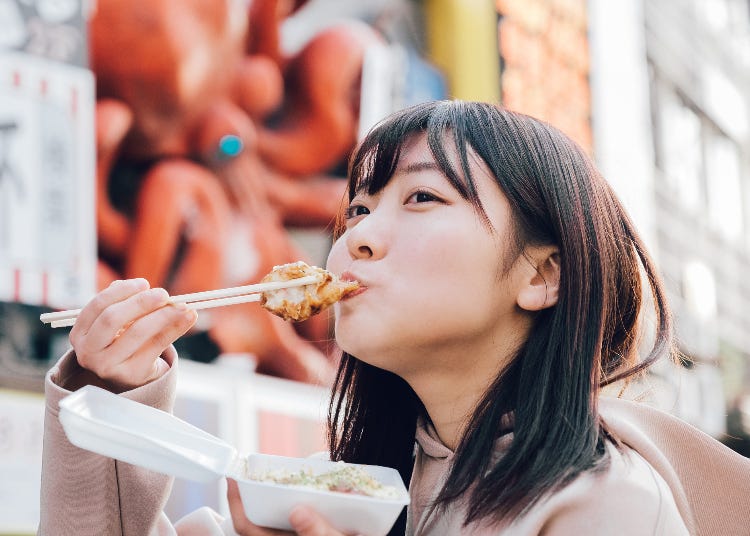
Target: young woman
x,y
501,289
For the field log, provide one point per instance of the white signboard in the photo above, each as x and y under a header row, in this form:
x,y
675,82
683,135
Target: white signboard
x,y
21,426
47,182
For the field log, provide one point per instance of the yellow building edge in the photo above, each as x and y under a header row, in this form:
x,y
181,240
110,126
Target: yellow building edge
x,y
462,42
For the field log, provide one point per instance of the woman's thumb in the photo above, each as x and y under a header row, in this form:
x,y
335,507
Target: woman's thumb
x,y
307,522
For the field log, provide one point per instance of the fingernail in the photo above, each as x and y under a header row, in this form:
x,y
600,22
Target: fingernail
x,y
180,306
159,293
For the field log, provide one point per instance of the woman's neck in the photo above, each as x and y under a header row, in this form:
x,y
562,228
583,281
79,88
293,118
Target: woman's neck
x,y
454,382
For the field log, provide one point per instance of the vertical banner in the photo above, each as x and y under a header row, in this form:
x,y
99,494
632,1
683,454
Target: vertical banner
x,y
47,181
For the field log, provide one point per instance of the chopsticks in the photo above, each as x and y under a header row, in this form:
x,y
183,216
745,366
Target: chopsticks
x,y
199,300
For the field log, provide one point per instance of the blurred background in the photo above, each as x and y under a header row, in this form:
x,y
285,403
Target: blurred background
x,y
198,143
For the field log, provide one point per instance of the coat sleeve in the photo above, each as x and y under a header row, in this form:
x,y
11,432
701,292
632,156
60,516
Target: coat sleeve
x,y
83,493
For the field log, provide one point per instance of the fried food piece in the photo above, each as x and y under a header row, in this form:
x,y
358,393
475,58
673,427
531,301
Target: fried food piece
x,y
300,303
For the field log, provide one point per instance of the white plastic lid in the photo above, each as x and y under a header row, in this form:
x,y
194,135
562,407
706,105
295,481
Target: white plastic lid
x,y
95,419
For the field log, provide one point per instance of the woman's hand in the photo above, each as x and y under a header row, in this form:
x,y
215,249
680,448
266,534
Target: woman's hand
x,y
122,332
305,520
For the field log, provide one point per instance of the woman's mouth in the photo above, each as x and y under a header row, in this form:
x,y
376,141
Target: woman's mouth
x,y
353,293
348,276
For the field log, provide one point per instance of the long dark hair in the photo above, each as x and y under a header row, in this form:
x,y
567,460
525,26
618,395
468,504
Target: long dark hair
x,y
587,340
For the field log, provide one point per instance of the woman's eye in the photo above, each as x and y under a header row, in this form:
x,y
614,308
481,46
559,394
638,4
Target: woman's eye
x,y
356,210
421,197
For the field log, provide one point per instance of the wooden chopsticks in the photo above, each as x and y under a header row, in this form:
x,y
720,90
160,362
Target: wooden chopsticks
x,y
199,300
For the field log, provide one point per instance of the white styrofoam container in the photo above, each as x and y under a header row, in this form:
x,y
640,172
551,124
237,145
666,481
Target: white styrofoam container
x,y
268,504
99,421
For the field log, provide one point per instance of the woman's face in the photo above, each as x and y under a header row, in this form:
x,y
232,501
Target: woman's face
x,y
431,271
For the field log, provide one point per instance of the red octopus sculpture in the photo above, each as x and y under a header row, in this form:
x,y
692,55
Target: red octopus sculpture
x,y
228,141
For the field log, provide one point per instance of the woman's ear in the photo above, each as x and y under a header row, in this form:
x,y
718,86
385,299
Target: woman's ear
x,y
540,286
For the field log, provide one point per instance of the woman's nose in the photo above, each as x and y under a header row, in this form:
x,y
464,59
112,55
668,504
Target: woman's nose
x,y
366,240
364,252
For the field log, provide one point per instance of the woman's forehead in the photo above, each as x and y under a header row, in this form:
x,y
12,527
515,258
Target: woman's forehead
x,y
420,151
417,155
416,146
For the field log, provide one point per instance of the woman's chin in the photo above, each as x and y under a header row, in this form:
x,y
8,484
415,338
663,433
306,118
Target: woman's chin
x,y
382,360
356,349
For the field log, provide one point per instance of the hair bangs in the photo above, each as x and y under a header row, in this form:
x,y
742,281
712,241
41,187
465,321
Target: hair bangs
x,y
376,159
448,125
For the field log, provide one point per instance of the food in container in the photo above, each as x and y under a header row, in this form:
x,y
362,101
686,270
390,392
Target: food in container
x,y
103,422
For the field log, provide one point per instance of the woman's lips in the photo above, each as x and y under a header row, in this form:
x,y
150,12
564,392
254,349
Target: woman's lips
x,y
348,276
353,293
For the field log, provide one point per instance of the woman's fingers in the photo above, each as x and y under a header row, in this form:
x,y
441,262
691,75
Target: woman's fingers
x,y
107,326
122,332
132,360
304,520
308,522
242,525
237,511
93,346
152,333
115,292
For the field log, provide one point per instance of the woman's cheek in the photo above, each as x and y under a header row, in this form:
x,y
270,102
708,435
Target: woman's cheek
x,y
335,261
345,334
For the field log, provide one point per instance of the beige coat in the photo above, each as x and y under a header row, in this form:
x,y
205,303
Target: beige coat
x,y
672,480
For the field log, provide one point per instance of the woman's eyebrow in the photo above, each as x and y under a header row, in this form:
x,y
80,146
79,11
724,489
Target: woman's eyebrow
x,y
416,167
